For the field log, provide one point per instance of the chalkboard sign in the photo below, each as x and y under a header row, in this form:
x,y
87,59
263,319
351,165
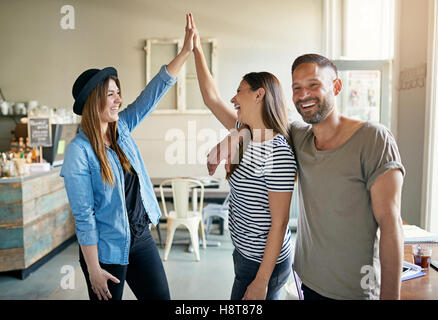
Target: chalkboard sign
x,y
40,132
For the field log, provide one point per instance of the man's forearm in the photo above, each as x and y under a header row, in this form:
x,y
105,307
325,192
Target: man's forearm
x,y
391,260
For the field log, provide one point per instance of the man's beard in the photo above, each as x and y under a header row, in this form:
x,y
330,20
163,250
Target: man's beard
x,y
323,109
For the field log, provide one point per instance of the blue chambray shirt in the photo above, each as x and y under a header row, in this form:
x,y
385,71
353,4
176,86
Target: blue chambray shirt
x,y
99,209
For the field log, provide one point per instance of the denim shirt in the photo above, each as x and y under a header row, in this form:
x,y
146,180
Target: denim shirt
x,y
99,209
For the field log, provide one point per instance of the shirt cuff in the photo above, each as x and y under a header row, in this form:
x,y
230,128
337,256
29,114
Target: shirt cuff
x,y
166,77
87,238
387,166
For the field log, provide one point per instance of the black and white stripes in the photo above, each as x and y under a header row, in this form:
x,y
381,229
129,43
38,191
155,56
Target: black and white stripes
x,y
265,166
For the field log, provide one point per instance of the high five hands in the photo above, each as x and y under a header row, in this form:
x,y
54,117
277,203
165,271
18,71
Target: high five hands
x,y
188,38
196,38
191,39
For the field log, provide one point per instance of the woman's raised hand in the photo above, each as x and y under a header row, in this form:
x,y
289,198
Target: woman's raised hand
x,y
188,39
196,38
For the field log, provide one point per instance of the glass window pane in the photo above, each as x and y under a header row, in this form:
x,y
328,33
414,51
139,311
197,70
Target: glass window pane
x,y
161,54
360,95
193,96
368,29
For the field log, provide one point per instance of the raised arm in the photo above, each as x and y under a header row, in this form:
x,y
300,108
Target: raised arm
x,y
148,99
210,94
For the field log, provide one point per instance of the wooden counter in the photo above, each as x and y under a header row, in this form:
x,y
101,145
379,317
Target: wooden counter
x,y
35,219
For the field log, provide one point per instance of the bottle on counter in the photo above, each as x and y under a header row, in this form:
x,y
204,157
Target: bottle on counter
x,y
29,157
2,163
34,155
21,147
14,145
28,151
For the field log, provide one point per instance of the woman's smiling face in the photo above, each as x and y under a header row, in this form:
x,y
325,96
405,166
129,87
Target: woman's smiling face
x,y
110,112
244,102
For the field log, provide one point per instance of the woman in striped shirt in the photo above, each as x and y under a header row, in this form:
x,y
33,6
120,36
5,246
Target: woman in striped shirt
x,y
261,184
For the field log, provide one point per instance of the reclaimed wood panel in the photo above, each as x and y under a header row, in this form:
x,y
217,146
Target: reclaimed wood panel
x,y
47,233
35,208
35,188
35,218
10,193
37,249
45,225
11,238
12,259
63,231
11,216
38,229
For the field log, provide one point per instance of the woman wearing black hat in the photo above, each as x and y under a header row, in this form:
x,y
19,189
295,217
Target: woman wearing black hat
x,y
110,193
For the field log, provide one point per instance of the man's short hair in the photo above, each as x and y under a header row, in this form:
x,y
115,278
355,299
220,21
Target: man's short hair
x,y
314,58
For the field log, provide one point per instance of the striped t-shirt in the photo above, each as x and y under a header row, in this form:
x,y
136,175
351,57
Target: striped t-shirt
x,y
266,166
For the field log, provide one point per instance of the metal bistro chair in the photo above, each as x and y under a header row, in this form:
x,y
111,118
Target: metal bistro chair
x,y
216,210
181,215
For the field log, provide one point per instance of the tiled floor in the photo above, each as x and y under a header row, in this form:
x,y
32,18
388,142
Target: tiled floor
x,y
209,279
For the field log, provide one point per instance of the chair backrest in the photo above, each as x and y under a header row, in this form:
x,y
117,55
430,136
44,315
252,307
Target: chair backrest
x,y
181,193
226,201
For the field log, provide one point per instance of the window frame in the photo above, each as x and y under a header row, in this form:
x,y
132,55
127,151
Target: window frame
x,y
385,68
181,88
429,203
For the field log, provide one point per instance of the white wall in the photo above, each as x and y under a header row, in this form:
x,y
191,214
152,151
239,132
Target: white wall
x,y
411,105
40,61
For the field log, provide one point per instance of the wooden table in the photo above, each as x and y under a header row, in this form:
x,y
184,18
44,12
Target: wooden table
x,y
425,287
214,193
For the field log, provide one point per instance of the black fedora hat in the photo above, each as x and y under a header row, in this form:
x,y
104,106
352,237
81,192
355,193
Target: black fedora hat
x,y
86,82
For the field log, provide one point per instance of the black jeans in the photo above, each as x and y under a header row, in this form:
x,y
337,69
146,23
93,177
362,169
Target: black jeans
x,y
144,274
310,294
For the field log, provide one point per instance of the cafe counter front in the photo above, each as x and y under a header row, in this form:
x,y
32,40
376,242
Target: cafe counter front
x,y
35,221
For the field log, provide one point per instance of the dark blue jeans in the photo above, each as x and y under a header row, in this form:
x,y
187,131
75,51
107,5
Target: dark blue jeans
x,y
246,270
144,274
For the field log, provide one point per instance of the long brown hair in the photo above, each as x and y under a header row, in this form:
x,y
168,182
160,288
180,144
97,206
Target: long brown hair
x,y
274,113
90,123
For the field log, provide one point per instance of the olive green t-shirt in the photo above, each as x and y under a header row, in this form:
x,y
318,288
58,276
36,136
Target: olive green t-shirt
x,y
337,240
